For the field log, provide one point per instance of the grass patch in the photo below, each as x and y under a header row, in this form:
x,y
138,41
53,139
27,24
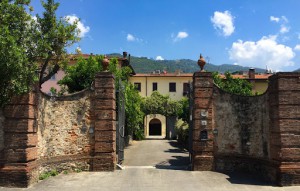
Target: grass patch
x,y
46,175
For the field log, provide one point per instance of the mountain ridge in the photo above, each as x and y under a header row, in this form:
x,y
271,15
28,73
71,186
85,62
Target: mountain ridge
x,y
146,65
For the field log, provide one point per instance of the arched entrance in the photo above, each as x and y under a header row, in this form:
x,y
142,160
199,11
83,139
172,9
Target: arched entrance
x,y
155,127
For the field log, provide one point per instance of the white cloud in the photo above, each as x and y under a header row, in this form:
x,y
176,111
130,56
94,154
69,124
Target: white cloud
x,y
297,47
82,29
284,29
159,58
180,35
275,19
265,51
130,37
223,22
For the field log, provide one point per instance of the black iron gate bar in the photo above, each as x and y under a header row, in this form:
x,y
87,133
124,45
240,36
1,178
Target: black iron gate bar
x,y
120,130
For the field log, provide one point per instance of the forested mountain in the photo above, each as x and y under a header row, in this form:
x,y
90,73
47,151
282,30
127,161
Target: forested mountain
x,y
145,65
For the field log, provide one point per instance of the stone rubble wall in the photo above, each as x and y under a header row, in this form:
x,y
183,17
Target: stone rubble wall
x,y
242,123
1,131
65,132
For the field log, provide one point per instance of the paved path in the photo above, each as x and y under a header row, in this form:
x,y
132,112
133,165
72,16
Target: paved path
x,y
162,154
137,176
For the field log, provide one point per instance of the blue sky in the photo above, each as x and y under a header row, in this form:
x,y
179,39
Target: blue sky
x,y
255,33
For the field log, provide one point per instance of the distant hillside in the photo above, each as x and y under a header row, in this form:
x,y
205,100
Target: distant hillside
x,y
298,70
145,65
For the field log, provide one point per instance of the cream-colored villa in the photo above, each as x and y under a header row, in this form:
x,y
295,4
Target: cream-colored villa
x,y
173,84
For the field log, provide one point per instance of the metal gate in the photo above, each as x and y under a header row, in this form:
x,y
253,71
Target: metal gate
x,y
191,104
120,129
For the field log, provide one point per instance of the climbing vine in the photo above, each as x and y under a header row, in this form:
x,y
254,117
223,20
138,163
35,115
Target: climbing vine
x,y
233,85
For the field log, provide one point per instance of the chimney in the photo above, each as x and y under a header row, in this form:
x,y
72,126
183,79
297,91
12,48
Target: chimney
x,y
251,73
124,54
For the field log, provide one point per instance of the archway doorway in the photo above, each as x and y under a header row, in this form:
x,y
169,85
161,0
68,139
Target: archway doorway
x,y
155,127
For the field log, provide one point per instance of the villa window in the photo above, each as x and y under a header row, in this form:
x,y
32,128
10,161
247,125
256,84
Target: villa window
x,y
186,88
172,87
137,86
154,86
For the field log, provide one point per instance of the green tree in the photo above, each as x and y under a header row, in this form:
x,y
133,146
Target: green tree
x,y
81,75
17,55
27,44
161,104
52,37
184,113
133,111
233,85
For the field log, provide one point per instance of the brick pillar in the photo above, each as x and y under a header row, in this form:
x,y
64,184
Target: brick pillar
x,y
20,140
104,104
284,101
202,146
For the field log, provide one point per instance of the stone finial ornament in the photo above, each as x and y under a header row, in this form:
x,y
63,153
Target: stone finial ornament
x,y
105,63
201,63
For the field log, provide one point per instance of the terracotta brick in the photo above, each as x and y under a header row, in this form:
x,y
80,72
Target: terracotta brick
x,y
290,140
289,111
201,163
289,125
202,145
14,176
105,93
202,79
105,136
203,82
204,103
290,154
20,155
285,81
100,104
19,111
105,114
17,140
20,125
104,162
289,97
29,98
105,147
104,83
203,92
104,125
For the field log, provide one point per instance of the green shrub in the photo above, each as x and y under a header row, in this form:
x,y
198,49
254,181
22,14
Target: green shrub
x,y
182,130
46,175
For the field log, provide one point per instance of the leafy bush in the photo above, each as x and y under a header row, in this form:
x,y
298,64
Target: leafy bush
x,y
182,130
161,104
81,75
233,85
134,114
